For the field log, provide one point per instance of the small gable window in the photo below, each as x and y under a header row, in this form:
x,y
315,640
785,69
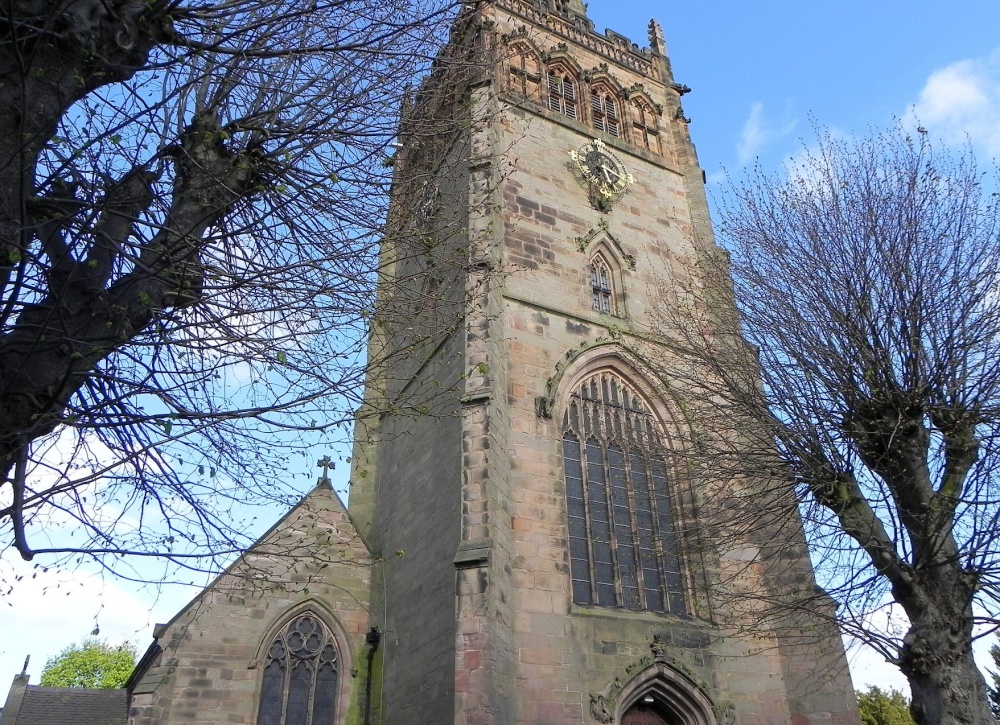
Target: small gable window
x,y
605,112
301,675
562,94
603,294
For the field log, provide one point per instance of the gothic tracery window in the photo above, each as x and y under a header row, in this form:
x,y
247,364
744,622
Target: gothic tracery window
x,y
602,290
301,674
623,547
562,94
604,110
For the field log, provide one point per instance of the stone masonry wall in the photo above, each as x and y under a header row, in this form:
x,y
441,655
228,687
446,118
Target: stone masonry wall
x,y
208,669
567,654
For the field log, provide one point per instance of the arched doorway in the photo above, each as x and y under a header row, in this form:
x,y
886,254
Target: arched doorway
x,y
662,695
645,714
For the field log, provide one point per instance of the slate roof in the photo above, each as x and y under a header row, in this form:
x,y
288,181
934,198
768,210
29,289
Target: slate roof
x,y
72,706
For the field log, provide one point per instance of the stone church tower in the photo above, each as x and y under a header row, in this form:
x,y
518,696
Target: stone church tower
x,y
522,536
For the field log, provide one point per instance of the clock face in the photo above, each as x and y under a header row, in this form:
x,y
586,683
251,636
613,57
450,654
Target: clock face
x,y
605,173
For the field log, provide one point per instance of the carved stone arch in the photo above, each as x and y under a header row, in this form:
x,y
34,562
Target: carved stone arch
x,y
665,690
563,86
309,605
336,694
589,357
524,68
605,107
561,58
637,98
646,129
601,237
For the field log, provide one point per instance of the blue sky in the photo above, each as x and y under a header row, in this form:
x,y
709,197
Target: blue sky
x,y
757,70
760,72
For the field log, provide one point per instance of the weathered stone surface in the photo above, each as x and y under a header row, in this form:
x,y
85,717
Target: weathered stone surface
x,y
207,671
461,492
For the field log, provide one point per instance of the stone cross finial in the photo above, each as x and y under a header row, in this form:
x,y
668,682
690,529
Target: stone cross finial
x,y
326,463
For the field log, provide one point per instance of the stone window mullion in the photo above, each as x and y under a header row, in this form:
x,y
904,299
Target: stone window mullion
x,y
623,547
291,690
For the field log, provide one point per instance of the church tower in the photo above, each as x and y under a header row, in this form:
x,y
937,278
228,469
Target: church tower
x,y
536,537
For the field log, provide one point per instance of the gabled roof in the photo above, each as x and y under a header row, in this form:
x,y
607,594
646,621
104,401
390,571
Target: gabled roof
x,y
322,491
70,706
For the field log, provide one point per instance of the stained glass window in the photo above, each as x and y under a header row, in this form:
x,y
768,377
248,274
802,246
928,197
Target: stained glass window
x,y
622,544
301,674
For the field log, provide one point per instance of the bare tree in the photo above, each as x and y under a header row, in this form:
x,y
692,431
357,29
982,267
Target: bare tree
x,y
859,376
192,201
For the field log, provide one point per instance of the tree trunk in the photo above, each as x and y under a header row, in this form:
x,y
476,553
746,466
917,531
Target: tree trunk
x,y
936,658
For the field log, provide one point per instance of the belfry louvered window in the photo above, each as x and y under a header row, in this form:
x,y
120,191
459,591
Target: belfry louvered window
x,y
301,673
605,113
622,543
562,94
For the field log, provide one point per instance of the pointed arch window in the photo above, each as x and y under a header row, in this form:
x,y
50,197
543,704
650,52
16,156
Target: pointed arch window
x,y
601,283
524,71
562,94
622,542
604,110
301,675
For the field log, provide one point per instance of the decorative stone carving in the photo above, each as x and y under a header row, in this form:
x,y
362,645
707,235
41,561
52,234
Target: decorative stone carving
x,y
602,231
660,673
601,707
659,648
725,713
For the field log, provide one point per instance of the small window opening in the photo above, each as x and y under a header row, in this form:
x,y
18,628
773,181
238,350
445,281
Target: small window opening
x,y
605,112
562,94
600,283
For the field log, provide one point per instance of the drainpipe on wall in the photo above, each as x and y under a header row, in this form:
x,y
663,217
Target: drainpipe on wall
x,y
371,639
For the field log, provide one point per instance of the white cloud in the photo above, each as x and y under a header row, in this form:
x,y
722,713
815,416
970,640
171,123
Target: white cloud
x,y
962,102
44,611
869,668
758,131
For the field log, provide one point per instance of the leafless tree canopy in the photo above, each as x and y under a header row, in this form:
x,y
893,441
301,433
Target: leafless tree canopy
x,y
866,278
192,197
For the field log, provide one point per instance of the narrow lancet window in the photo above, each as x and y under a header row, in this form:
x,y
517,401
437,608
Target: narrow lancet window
x,y
622,546
602,291
645,127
